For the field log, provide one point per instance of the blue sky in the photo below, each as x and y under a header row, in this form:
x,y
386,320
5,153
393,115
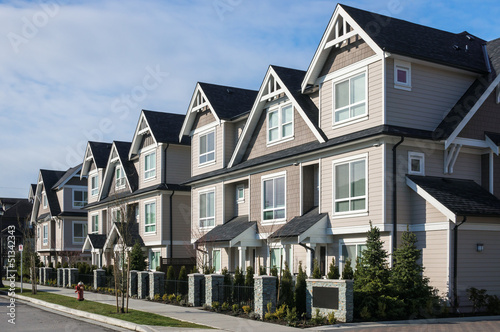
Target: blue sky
x,y
73,71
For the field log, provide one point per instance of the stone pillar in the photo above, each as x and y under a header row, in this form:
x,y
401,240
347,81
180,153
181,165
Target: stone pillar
x,y
65,279
60,277
264,292
213,289
142,284
196,285
156,284
99,278
40,276
325,290
132,287
242,260
72,276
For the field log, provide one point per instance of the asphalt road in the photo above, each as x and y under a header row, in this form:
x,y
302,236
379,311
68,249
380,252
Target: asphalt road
x,y
29,318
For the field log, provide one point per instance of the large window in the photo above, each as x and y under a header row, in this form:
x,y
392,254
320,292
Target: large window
x,y
150,217
207,147
119,177
150,166
350,98
79,198
207,209
94,185
45,234
351,251
79,232
154,259
279,123
216,260
273,198
95,223
350,186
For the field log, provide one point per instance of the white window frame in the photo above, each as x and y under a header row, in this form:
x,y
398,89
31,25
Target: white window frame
x,y
406,67
93,218
220,260
204,225
84,202
114,215
119,181
84,225
412,155
240,189
211,161
45,234
342,79
150,225
267,178
279,109
151,251
344,161
279,262
94,191
44,200
349,242
150,173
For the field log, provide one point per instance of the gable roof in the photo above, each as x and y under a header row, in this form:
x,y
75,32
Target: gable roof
x,y
67,176
225,102
100,153
97,241
227,231
50,178
17,213
122,149
299,225
133,229
455,197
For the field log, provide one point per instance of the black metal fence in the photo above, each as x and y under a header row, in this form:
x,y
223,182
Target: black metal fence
x,y
51,275
87,279
177,287
234,294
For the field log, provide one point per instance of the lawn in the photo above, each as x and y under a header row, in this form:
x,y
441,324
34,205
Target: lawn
x,y
134,316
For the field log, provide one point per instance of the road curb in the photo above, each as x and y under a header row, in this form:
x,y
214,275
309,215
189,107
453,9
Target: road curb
x,y
84,314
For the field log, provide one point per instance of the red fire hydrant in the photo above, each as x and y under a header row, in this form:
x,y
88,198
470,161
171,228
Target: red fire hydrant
x,y
79,289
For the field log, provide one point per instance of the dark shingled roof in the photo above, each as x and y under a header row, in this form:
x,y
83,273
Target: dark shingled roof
x,y
72,214
17,213
50,178
299,225
494,137
292,78
10,200
123,148
228,231
421,42
69,173
100,152
166,127
97,240
229,102
462,197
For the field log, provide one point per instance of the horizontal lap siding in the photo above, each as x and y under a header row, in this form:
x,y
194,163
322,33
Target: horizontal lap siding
x,y
485,119
375,202
434,245
178,163
375,95
434,92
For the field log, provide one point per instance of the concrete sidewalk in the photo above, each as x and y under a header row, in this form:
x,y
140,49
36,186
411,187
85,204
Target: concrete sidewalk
x,y
188,314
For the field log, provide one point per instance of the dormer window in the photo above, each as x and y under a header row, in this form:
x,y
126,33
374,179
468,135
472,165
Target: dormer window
x,y
150,166
94,185
119,177
280,123
207,147
402,75
79,198
349,99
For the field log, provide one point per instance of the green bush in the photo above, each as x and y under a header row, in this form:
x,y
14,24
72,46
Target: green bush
x,y
225,306
493,305
347,272
281,312
318,318
262,270
235,308
247,309
331,318
249,277
137,258
171,298
300,291
215,306
286,285
333,272
291,316
170,282
316,271
478,298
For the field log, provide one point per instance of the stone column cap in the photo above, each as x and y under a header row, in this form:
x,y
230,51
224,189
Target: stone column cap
x,y
195,274
157,272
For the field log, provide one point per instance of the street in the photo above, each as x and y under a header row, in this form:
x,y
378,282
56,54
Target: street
x,y
30,318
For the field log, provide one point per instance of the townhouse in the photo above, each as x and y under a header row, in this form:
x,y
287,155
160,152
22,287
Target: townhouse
x,y
59,221
393,124
135,193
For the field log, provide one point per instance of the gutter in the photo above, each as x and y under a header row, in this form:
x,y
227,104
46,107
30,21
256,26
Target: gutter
x,y
455,263
395,196
171,225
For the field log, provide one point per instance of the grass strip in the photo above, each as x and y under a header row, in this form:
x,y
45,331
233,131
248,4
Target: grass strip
x,y
133,316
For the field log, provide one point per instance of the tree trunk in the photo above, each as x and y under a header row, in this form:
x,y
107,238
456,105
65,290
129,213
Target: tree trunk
x,y
128,278
115,269
122,283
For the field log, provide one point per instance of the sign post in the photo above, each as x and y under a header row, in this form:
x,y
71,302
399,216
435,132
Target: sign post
x,y
21,251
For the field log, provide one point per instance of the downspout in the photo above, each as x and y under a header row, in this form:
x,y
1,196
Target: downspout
x,y
312,255
455,263
395,196
170,204
171,225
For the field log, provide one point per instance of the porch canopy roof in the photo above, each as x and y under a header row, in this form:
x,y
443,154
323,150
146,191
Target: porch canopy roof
x,y
114,235
455,197
308,228
94,242
237,232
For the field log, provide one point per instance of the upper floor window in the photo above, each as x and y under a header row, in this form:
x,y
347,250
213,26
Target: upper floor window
x,y
44,200
280,123
150,166
416,163
274,198
207,147
94,185
79,232
119,177
402,75
79,198
95,223
150,221
240,194
350,186
45,234
207,209
349,98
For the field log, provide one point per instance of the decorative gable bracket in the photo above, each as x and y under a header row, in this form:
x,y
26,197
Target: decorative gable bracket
x,y
450,157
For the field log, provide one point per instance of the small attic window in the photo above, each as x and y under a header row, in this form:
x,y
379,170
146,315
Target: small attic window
x,y
402,75
498,93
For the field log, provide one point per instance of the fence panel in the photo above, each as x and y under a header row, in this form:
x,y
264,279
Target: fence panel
x,y
241,295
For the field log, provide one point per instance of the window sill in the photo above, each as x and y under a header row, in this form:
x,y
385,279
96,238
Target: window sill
x,y
150,233
240,201
417,173
350,121
151,178
287,139
402,87
208,163
274,222
206,228
350,214
120,187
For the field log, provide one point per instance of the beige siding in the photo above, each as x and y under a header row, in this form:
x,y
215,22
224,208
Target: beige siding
x,y
178,163
195,159
299,256
232,207
315,99
353,51
375,180
486,119
203,118
375,109
258,145
112,186
434,245
67,230
433,93
41,209
181,217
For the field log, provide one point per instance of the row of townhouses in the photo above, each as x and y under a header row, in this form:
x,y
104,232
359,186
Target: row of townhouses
x,y
393,123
